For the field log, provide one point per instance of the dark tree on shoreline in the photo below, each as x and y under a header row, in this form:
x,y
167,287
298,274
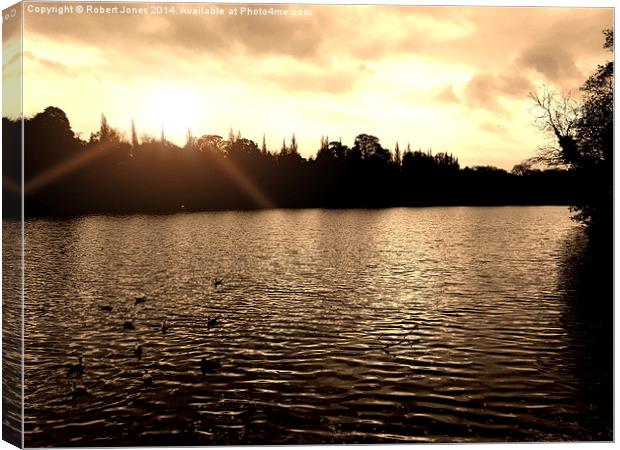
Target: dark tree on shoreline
x,y
65,175
583,134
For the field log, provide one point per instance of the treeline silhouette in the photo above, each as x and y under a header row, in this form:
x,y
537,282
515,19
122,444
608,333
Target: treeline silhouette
x,y
66,175
583,141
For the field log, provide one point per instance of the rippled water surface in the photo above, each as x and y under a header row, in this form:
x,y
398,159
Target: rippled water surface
x,y
431,324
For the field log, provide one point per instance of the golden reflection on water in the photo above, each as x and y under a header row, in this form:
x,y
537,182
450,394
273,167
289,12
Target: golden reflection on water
x,y
430,324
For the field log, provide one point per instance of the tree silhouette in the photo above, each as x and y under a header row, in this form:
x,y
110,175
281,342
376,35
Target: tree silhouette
x,y
293,148
134,135
264,150
557,115
109,174
584,136
397,157
284,148
368,146
190,141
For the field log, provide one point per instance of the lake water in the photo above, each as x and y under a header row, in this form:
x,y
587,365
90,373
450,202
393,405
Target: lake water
x,y
395,325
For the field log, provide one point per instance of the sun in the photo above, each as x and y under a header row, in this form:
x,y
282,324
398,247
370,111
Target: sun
x,y
174,109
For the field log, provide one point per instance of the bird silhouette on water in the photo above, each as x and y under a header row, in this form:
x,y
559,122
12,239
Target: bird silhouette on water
x,y
78,391
105,308
137,350
217,282
76,370
164,325
212,322
207,366
128,325
147,379
139,300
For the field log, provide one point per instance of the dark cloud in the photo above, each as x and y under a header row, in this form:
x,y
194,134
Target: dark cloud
x,y
300,37
513,84
485,90
502,44
467,34
482,92
171,46
482,37
550,60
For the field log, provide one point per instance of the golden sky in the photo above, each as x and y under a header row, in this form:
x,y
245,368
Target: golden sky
x,y
453,79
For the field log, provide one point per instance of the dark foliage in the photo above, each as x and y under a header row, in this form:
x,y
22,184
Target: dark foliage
x,y
65,175
583,135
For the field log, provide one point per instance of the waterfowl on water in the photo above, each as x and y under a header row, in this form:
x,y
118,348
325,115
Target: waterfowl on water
x,y
76,370
147,379
140,299
207,366
137,350
218,282
128,325
212,322
164,325
105,308
78,391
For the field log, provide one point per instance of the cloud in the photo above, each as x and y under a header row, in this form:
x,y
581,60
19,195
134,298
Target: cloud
x,y
553,42
315,80
550,60
481,92
300,37
485,90
447,95
48,64
380,67
493,128
513,84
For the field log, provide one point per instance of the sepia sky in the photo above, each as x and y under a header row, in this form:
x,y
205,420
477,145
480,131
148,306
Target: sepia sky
x,y
453,79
